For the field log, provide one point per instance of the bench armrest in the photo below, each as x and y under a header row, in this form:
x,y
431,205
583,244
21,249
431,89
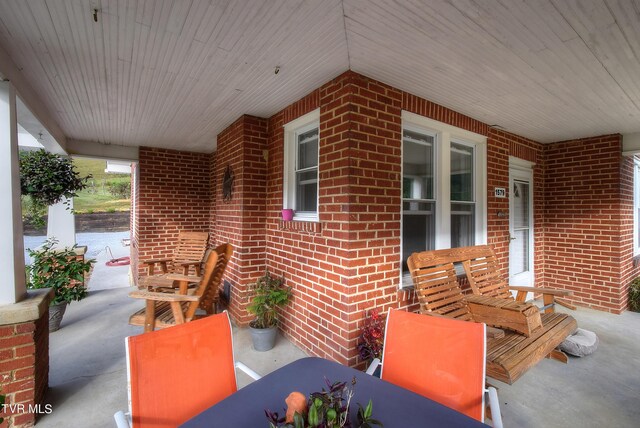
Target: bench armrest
x,y
163,297
188,263
509,314
552,291
185,278
154,261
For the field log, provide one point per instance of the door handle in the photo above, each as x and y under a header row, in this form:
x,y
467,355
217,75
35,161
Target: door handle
x,y
511,238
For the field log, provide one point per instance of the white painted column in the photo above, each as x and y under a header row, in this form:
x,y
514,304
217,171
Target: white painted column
x,y
12,276
61,224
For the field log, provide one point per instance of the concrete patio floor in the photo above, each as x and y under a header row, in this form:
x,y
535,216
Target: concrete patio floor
x,y
88,375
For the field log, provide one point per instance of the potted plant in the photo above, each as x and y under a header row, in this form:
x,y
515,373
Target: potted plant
x,y
47,178
328,408
62,270
371,340
269,295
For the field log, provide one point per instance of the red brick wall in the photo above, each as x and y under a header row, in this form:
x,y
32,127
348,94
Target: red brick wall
x,y
500,146
630,268
350,265
585,221
24,368
174,195
349,261
241,220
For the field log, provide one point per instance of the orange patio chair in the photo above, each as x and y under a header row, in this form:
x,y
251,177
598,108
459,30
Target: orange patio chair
x,y
176,373
440,358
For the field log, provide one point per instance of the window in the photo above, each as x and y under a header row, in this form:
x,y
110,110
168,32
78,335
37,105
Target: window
x,y
443,187
636,206
300,190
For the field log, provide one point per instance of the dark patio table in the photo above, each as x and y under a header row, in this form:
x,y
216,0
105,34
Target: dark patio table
x,y
392,405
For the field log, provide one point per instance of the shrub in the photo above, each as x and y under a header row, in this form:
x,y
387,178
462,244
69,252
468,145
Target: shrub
x,y
119,189
59,269
634,295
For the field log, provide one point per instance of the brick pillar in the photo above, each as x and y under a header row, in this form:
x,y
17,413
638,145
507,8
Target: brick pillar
x,y
240,219
366,209
24,357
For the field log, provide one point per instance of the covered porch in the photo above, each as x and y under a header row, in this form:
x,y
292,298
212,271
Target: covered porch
x,y
387,129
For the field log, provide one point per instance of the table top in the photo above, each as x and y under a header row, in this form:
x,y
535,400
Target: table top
x,y
392,405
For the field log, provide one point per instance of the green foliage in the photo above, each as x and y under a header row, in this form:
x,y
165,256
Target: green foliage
x,y
119,189
328,409
47,178
269,295
59,269
634,295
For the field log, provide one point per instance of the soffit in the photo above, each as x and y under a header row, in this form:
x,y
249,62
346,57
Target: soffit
x,y
175,73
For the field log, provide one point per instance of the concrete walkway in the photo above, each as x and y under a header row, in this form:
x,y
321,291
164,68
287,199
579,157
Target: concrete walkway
x,y
88,376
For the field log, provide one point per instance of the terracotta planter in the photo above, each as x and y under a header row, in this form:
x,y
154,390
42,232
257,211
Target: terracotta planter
x,y
55,315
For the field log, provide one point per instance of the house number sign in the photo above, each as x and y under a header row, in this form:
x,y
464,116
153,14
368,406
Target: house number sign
x,y
500,192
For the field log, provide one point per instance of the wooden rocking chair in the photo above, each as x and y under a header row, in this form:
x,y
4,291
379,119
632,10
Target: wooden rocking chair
x,y
189,251
528,335
481,266
165,309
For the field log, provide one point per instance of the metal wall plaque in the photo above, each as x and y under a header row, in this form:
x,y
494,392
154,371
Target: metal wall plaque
x,y
227,184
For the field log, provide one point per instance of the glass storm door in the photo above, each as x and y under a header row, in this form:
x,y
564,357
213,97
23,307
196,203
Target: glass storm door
x,y
520,226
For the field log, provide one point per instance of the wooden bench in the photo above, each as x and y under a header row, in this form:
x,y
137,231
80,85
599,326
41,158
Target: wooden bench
x,y
509,356
482,269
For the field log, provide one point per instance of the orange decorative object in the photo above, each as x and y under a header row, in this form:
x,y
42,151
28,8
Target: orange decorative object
x,y
296,402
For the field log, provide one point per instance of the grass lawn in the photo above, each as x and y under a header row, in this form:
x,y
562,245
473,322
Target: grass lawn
x,y
97,197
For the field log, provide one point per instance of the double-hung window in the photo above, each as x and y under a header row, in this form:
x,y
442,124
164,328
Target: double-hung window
x,y
443,187
302,138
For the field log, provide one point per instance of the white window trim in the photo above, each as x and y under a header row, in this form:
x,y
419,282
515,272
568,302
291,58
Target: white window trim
x,y
291,129
444,135
636,204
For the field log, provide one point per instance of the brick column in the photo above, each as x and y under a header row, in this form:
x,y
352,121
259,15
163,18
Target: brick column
x,y
240,219
24,357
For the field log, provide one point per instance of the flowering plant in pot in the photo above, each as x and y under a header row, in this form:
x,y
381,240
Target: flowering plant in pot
x,y
62,270
269,296
371,341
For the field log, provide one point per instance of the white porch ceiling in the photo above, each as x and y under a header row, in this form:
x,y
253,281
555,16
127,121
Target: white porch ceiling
x,y
175,73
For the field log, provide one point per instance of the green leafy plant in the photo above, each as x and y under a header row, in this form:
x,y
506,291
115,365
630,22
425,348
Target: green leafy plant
x,y
47,179
634,295
328,409
269,295
59,269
